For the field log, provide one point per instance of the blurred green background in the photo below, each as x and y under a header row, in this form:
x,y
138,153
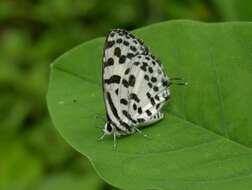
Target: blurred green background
x,y
32,34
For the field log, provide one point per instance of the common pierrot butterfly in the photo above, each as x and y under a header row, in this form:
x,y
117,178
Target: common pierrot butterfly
x,y
135,86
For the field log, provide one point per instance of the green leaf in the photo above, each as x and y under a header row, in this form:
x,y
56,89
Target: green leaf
x,y
205,140
66,181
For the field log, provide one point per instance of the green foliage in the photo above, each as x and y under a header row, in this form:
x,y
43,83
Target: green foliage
x,y
234,10
205,140
32,34
66,181
13,162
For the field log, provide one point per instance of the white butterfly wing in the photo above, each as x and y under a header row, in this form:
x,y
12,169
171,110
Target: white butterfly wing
x,y
120,48
146,90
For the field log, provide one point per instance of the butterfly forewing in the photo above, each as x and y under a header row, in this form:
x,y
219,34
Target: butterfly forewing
x,y
134,83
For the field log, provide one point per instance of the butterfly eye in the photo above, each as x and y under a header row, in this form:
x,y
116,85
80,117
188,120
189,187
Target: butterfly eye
x,y
109,128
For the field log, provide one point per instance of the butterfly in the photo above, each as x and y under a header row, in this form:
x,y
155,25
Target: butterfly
x,y
135,85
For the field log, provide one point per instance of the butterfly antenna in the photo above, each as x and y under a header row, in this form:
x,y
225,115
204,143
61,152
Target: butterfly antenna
x,y
178,81
100,127
100,117
176,78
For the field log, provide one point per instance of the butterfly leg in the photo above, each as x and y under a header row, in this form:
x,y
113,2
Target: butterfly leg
x,y
114,135
141,133
115,143
101,137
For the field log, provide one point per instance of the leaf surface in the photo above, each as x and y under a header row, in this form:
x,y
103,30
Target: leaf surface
x,y
205,140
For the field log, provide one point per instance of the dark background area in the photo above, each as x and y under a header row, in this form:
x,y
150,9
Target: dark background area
x,y
32,34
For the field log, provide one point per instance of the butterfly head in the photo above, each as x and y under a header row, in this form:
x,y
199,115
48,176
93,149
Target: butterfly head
x,y
108,128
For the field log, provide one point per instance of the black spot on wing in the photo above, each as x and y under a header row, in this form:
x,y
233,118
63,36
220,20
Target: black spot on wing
x,y
112,106
108,118
117,52
139,110
112,34
124,101
147,58
165,83
149,84
133,48
125,83
159,62
110,121
157,98
148,112
155,88
126,43
140,41
119,41
118,128
126,114
134,106
136,63
125,125
122,59
146,77
120,33
148,95
109,44
132,80
116,91
152,101
109,62
130,55
150,69
150,98
166,98
131,35
153,79
140,120
133,96
127,71
113,79
135,41
144,66
152,56
115,113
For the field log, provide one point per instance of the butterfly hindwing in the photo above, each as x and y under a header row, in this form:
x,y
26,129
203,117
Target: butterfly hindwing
x,y
147,90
